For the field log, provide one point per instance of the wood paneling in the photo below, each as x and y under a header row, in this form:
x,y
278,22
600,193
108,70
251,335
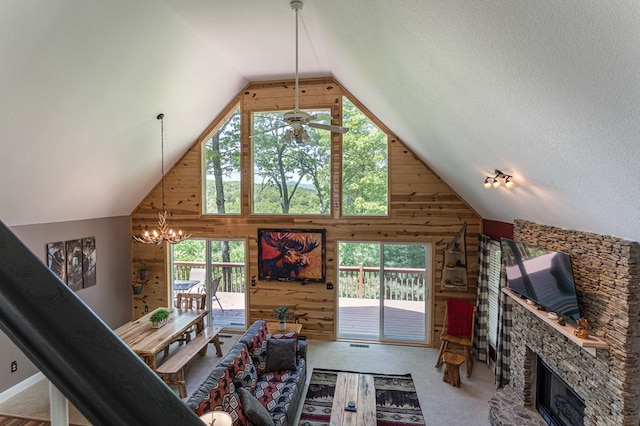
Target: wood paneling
x,y
422,208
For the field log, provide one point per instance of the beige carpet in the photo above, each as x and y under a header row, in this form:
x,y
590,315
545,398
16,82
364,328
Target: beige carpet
x,y
442,404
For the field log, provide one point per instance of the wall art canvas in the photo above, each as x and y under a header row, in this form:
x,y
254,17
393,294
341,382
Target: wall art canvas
x,y
56,260
291,254
74,264
88,262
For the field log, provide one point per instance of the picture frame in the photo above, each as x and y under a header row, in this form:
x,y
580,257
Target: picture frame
x,y
292,255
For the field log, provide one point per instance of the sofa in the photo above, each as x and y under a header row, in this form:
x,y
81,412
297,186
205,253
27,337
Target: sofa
x,y
260,381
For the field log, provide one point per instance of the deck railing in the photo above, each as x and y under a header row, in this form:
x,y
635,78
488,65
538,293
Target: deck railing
x,y
359,281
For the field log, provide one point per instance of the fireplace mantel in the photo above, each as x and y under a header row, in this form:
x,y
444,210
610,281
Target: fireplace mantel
x,y
590,345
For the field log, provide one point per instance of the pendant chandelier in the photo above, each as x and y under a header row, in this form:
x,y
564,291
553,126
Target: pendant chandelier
x,y
163,232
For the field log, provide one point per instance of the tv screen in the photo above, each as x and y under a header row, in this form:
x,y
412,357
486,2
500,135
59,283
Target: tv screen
x,y
543,276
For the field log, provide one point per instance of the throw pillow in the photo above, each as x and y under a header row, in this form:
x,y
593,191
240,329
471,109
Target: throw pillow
x,y
245,372
281,355
256,413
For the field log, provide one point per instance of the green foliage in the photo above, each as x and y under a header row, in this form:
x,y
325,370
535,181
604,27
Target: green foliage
x,y
159,315
282,169
222,165
281,312
194,250
364,164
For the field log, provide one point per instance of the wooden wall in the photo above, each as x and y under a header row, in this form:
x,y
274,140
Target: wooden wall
x,y
422,208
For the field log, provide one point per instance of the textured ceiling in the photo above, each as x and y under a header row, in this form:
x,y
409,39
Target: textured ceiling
x,y
546,91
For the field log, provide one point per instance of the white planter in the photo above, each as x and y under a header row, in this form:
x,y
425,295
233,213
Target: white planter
x,y
282,326
159,323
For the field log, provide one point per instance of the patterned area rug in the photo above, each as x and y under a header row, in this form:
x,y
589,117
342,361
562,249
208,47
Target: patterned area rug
x,y
396,399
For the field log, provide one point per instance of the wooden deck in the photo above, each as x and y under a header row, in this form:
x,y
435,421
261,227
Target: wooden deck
x,y
357,318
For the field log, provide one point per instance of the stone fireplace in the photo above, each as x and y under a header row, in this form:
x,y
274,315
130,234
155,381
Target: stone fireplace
x,y
606,271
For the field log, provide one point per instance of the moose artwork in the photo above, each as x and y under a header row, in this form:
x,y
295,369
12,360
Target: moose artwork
x,y
291,254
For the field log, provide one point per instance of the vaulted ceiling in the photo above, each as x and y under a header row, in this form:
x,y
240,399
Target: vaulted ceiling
x,y
546,91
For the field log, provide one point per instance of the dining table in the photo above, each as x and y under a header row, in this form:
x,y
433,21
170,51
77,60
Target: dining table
x,y
147,341
182,285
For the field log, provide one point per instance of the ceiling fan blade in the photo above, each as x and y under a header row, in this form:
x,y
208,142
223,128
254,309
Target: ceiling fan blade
x,y
269,130
320,116
332,128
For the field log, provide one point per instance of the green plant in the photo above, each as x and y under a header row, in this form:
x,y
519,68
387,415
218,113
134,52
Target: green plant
x,y
159,315
143,268
281,312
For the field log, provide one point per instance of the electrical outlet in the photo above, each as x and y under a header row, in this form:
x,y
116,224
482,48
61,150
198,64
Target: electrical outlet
x,y
253,281
329,286
146,308
297,320
14,366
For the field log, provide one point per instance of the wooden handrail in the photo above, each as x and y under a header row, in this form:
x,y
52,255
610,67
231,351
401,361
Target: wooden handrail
x,y
76,350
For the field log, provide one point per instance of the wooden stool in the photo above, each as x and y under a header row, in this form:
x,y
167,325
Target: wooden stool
x,y
452,363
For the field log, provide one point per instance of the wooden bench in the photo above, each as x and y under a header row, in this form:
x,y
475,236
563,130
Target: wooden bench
x,y
174,365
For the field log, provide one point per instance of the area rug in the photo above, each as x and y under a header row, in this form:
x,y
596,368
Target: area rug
x,y
396,399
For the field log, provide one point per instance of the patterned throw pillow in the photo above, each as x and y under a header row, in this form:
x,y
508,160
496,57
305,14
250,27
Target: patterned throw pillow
x,y
245,373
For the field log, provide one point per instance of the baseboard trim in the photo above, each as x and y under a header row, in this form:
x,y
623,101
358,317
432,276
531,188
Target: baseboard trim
x,y
19,387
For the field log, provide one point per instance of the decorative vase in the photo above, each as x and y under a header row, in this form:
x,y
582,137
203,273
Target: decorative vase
x,y
137,288
282,325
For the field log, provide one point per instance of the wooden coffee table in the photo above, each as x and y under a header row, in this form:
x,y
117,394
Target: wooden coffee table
x,y
358,388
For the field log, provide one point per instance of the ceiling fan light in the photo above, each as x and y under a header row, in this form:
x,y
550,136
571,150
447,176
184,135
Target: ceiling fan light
x,y
509,184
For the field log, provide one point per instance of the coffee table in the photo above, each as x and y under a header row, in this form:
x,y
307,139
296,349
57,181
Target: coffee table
x,y
359,388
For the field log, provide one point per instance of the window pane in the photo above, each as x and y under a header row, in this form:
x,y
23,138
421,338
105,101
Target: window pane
x,y
222,168
290,177
364,164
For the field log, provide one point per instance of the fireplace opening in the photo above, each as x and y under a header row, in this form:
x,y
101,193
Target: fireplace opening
x,y
556,402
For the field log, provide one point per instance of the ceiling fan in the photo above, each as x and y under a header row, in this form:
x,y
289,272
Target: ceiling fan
x,y
297,119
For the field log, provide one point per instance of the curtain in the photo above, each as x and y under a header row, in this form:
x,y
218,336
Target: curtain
x,y
503,350
480,343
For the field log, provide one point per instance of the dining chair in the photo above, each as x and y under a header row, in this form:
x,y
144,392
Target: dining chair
x,y
215,283
190,301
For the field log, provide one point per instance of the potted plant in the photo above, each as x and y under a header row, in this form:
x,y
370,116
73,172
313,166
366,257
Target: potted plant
x,y
281,312
136,288
159,318
143,273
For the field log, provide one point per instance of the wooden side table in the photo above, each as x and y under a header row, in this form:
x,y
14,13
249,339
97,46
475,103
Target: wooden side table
x,y
272,328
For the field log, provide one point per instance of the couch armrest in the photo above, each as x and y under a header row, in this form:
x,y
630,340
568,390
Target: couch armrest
x,y
302,348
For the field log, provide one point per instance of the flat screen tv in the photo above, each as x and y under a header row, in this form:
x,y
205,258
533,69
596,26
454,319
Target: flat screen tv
x,y
542,275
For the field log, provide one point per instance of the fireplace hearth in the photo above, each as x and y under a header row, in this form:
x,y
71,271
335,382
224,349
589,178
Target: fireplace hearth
x,y
558,404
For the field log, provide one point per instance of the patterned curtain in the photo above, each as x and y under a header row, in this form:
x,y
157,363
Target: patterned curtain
x,y
503,351
480,343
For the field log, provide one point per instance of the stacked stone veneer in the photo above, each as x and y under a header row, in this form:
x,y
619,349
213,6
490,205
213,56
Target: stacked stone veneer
x,y
608,287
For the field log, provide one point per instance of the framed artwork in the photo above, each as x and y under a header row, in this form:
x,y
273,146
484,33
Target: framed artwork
x,y
56,260
74,264
291,254
88,262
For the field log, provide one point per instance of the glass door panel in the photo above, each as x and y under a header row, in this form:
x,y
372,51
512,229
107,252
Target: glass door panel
x,y
227,288
404,291
383,291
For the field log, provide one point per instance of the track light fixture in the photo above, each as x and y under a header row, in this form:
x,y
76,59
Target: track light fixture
x,y
498,180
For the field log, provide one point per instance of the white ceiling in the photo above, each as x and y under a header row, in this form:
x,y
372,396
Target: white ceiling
x,y
547,91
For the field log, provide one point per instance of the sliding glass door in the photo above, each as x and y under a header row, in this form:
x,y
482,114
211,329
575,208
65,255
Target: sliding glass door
x,y
216,267
383,291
